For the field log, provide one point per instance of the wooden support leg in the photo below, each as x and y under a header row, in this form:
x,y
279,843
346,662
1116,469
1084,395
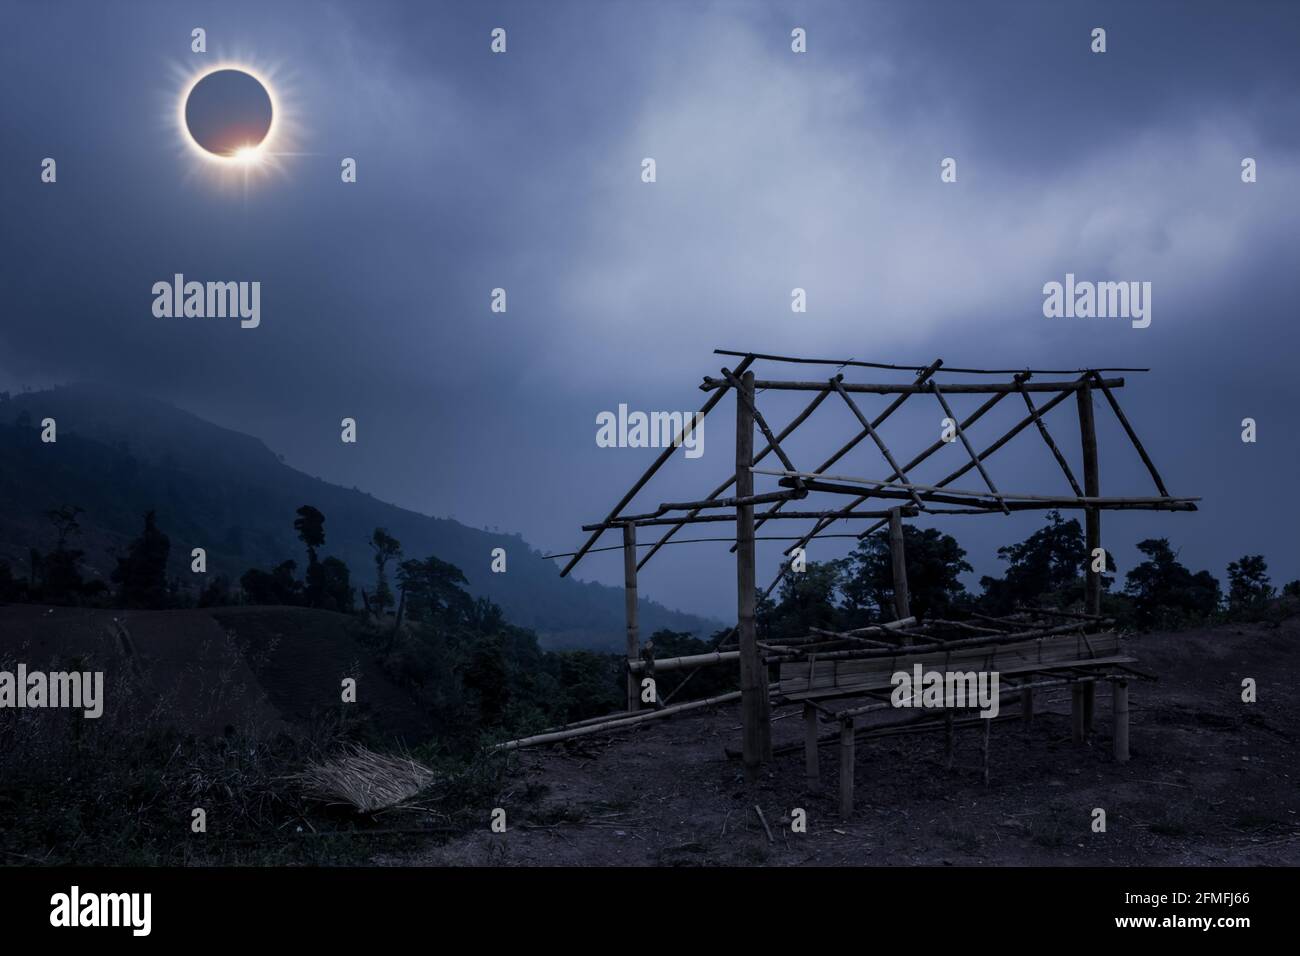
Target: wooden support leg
x,y
1089,699
1120,688
812,770
1027,707
987,725
846,768
1076,713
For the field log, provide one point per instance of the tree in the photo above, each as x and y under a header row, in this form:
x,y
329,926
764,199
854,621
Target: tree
x,y
432,590
807,599
1248,583
934,563
141,576
1050,561
277,587
334,586
310,525
386,548
61,578
1164,591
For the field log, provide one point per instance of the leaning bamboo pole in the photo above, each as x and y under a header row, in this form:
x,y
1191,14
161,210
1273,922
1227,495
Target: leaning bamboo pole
x,y
630,720
658,463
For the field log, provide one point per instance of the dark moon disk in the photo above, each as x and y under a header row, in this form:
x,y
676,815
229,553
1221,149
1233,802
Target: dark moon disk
x,y
228,110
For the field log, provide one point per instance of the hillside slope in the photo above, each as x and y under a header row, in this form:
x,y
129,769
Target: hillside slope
x,y
120,454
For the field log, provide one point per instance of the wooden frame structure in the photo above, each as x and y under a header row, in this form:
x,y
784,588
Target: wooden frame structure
x,y
898,497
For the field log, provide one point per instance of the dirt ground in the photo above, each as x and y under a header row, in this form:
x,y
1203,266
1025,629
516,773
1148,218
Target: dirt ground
x,y
1212,781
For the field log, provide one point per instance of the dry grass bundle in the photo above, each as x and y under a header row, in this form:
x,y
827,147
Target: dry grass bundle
x,y
365,780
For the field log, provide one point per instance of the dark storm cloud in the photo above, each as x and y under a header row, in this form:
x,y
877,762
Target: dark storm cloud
x,y
775,171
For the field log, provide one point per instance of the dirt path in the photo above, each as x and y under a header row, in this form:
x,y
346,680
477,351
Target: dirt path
x,y
1212,780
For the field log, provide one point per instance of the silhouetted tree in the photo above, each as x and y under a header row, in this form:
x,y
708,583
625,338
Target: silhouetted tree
x,y
386,548
1051,561
277,587
61,579
141,576
335,586
432,590
1164,591
934,562
1248,583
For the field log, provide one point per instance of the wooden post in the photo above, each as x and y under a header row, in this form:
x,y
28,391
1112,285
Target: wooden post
x,y
988,724
812,769
756,741
902,605
1027,707
1120,709
1076,713
1092,526
846,768
630,604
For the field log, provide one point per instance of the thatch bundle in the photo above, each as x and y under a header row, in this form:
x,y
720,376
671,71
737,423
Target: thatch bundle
x,y
366,780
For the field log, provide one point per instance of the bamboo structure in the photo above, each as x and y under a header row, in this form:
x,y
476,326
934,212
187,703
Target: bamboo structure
x,y
837,499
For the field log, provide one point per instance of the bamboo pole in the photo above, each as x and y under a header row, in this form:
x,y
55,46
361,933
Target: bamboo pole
x,y
1132,435
1076,714
628,721
1051,445
811,765
630,607
756,736
799,360
772,441
958,388
787,515
687,427
943,402
1092,525
902,604
846,768
1120,716
691,660
880,442
1013,503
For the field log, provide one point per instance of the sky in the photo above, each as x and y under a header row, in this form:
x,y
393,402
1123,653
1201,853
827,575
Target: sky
x,y
775,170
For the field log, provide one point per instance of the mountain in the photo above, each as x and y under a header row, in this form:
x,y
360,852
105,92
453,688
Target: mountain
x,y
120,454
